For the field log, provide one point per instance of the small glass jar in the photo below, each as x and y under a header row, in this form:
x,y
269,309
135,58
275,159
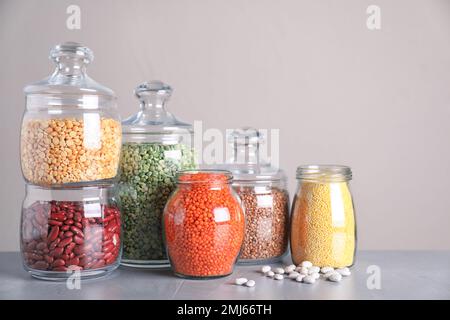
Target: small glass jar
x,y
323,228
70,229
203,225
262,190
155,147
71,132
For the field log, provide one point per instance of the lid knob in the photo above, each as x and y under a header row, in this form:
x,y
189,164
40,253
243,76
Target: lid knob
x,y
71,50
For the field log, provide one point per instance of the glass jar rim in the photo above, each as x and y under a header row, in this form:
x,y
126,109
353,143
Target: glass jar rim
x,y
327,172
228,176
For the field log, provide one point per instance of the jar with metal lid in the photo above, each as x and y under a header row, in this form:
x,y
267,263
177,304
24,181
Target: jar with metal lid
x,y
67,230
265,199
71,132
323,228
203,225
155,147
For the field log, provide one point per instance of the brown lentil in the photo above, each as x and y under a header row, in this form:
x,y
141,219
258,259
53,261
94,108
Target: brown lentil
x,y
267,222
55,151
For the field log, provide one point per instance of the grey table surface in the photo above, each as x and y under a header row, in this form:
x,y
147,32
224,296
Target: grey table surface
x,y
403,275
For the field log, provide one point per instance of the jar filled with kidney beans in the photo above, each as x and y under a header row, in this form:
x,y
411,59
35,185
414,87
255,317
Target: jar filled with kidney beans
x,y
70,230
203,225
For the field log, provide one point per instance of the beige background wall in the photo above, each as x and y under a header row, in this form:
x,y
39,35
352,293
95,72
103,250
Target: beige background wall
x,y
378,101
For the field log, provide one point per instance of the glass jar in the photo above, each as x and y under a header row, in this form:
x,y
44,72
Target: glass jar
x,y
71,131
203,225
155,147
69,229
262,190
323,228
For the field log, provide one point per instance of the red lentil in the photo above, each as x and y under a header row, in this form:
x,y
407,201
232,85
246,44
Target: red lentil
x,y
204,225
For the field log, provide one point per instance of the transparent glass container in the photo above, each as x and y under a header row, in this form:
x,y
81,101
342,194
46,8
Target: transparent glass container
x,y
71,133
262,190
323,227
155,147
204,225
67,230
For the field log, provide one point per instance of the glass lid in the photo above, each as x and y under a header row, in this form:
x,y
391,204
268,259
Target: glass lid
x,y
153,118
245,163
69,77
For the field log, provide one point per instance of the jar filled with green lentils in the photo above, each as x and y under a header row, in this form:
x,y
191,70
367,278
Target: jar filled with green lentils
x,y
155,147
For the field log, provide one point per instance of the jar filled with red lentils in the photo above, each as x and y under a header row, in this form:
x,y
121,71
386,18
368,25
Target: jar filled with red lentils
x,y
262,190
71,131
203,225
70,230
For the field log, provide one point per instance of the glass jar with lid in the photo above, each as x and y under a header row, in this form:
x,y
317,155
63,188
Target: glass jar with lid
x,y
262,190
204,225
70,229
323,228
155,147
71,133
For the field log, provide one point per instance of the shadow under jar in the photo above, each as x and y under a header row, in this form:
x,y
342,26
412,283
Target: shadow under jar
x,y
71,133
323,228
155,147
70,229
203,225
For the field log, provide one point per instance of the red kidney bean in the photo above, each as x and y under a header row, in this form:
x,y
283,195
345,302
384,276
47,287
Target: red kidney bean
x,y
54,244
108,248
68,234
74,261
49,259
58,216
77,217
78,240
98,255
54,231
58,263
69,248
41,246
36,256
55,223
77,231
56,235
64,242
57,252
31,245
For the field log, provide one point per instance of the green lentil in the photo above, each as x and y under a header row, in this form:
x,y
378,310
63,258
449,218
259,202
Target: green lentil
x,y
147,179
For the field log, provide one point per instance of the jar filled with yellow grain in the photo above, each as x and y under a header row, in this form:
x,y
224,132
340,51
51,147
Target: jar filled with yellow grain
x,y
323,228
71,131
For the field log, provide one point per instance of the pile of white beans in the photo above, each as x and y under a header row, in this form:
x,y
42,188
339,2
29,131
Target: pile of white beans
x,y
305,272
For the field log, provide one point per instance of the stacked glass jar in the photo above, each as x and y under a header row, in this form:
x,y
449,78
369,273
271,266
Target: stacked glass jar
x,y
70,152
156,146
262,190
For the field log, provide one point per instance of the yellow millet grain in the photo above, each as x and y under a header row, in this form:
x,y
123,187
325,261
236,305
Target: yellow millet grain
x,y
323,225
57,151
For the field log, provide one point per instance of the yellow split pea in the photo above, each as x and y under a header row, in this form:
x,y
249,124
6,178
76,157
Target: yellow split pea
x,y
323,225
57,151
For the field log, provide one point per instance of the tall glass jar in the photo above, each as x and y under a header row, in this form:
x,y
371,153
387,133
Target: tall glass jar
x,y
203,225
155,147
71,133
64,230
262,190
323,228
